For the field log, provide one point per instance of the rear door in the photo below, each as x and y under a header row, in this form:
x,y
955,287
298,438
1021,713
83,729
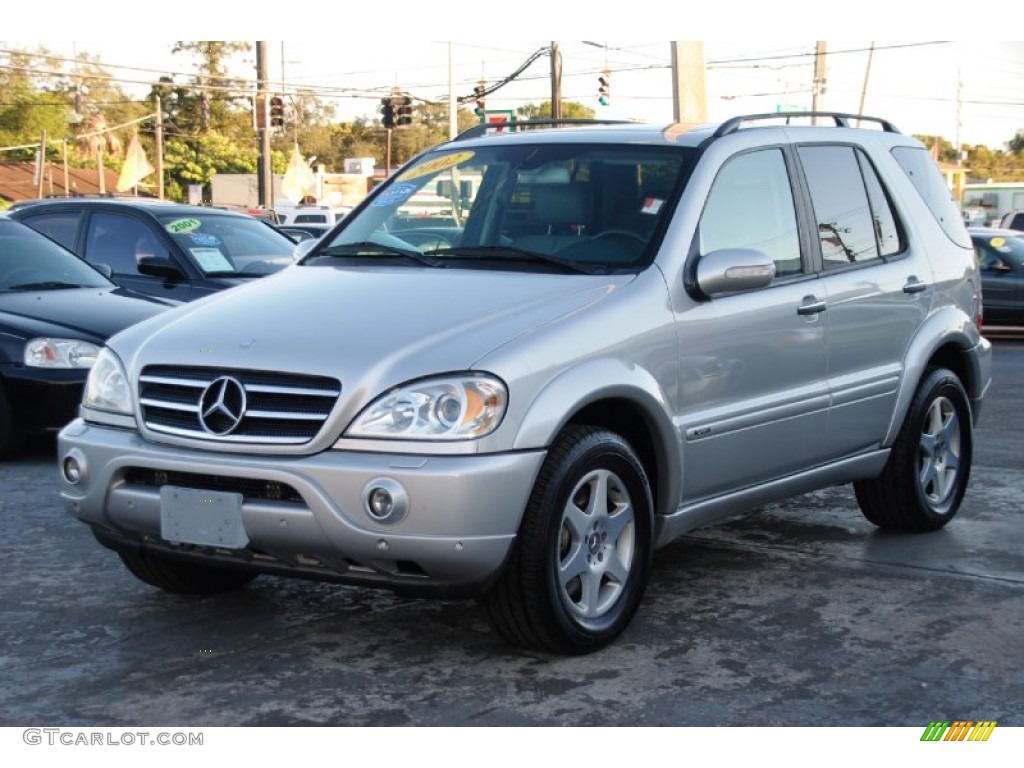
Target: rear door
x,y
878,290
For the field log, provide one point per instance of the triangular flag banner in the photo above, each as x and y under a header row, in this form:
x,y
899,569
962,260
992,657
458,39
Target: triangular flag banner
x,y
136,166
299,180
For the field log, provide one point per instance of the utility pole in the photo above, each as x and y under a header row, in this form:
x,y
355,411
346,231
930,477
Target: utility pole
x,y
818,92
42,163
159,140
453,102
556,82
689,97
864,90
265,179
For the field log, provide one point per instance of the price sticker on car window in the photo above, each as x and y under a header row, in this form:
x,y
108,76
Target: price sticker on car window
x,y
178,226
437,164
211,260
396,193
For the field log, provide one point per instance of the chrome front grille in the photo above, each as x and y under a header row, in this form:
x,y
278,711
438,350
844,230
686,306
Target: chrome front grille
x,y
235,405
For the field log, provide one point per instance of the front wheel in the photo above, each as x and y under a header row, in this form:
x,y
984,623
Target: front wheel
x,y
926,476
581,561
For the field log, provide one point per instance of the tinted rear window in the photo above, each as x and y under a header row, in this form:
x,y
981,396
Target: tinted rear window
x,y
925,176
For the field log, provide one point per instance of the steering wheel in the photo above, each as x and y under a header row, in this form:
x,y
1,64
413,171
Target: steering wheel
x,y
21,275
620,233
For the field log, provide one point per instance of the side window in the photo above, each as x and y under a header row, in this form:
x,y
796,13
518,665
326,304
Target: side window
x,y
119,241
883,217
925,176
846,229
61,227
751,206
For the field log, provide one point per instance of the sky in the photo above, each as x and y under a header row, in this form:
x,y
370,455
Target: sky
x,y
969,92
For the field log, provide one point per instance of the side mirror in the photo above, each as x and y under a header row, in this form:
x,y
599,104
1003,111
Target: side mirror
x,y
734,270
157,267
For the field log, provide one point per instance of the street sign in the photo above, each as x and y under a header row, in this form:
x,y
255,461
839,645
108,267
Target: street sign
x,y
497,118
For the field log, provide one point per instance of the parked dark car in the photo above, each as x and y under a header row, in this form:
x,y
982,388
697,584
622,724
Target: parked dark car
x,y
162,249
1001,258
300,232
1012,220
56,312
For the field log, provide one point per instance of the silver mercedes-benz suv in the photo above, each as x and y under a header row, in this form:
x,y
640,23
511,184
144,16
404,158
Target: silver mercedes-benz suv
x,y
593,340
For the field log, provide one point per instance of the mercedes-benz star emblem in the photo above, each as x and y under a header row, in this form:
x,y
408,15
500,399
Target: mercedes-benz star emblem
x,y
222,406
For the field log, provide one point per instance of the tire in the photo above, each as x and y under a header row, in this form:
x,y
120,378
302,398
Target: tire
x,y
181,577
579,567
926,476
10,440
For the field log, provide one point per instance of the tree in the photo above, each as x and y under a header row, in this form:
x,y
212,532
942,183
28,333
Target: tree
x,y
571,110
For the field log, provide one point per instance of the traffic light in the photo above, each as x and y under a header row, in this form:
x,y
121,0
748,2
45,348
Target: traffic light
x,y
481,109
404,111
604,82
387,113
276,112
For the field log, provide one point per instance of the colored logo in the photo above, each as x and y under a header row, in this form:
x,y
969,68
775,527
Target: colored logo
x,y
958,730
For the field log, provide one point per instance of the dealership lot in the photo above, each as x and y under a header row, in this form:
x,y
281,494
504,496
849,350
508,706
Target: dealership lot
x,y
801,614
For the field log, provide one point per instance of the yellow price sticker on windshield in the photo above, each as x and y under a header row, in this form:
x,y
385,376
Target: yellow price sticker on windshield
x,y
437,164
996,242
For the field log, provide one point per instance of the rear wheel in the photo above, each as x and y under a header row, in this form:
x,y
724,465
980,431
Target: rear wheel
x,y
182,577
581,560
926,476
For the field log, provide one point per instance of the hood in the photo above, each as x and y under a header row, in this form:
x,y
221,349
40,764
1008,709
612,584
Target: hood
x,y
370,327
93,314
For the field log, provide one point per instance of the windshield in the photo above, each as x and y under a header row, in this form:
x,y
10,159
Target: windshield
x,y
229,245
596,208
31,261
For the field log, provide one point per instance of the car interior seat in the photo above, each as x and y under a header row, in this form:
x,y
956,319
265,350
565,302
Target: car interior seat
x,y
565,211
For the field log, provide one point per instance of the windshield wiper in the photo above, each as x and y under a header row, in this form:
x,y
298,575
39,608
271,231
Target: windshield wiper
x,y
368,246
518,254
48,285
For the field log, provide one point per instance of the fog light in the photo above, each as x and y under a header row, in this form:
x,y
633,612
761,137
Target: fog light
x,y
73,467
381,502
385,500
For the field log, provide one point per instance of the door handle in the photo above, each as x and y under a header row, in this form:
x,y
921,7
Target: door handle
x,y
812,305
913,285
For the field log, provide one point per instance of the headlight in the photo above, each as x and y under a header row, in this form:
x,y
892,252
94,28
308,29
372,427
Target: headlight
x,y
445,408
60,353
107,388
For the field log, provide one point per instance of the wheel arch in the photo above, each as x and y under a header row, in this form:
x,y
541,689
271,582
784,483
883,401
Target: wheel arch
x,y
946,340
634,406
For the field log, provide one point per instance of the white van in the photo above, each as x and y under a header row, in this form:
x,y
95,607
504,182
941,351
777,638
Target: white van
x,y
310,214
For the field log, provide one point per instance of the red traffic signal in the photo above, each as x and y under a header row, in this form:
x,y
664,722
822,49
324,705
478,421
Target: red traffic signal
x,y
387,113
404,112
276,111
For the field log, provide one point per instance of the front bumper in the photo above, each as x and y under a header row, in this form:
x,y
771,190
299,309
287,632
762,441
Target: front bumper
x,y
305,516
43,399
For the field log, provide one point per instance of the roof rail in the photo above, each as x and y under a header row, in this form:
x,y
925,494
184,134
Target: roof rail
x,y
842,120
483,128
